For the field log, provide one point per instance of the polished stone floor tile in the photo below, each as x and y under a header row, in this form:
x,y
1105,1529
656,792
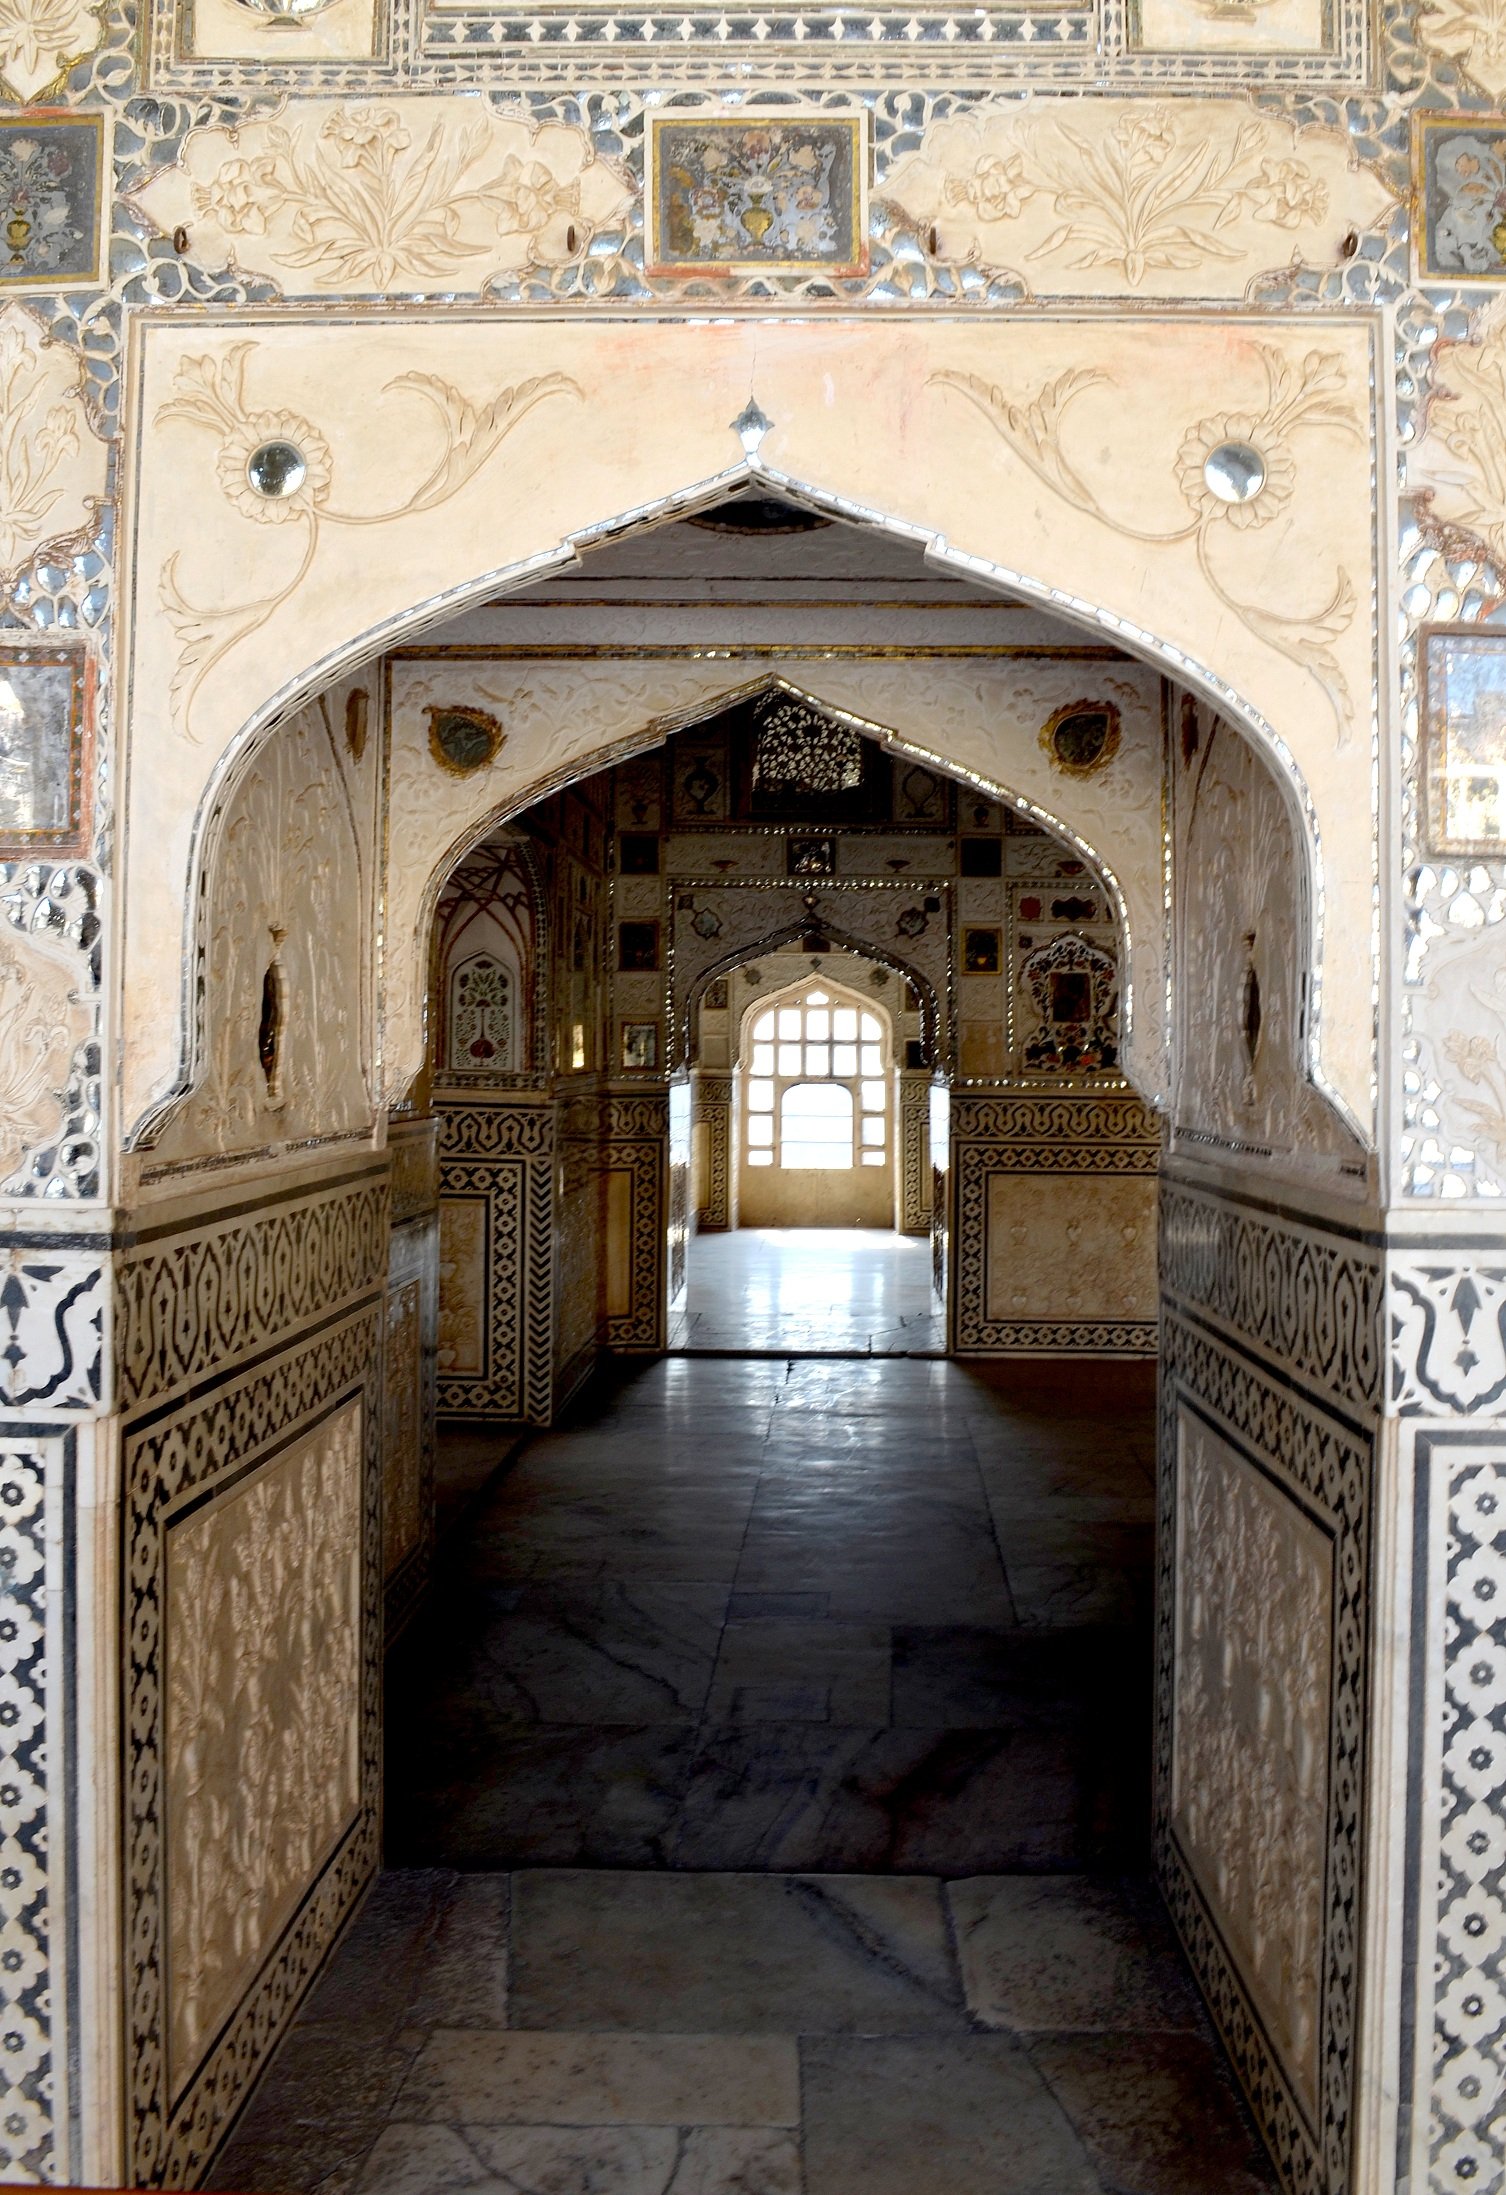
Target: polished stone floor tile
x,y
733,1953
844,1668
967,2114
1068,1595
566,2160
811,1796
1156,2114
520,2078
813,1289
606,1653
982,1677
593,1796
1070,1951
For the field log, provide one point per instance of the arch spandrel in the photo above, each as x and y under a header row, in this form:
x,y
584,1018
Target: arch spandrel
x,y
454,453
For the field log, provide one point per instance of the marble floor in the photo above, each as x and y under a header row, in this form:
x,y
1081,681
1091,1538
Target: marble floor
x,y
766,1815
811,1291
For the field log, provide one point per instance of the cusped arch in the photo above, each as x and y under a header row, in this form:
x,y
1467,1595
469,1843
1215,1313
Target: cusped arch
x,y
873,450
778,939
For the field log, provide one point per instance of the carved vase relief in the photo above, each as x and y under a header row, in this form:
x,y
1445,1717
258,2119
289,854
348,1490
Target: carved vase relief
x,y
263,1695
1255,1599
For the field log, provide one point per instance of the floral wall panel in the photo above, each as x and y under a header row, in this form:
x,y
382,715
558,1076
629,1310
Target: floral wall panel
x,y
340,198
1191,198
1066,1252
263,1662
52,462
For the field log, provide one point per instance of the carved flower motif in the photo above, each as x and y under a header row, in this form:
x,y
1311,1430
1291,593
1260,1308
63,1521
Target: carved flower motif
x,y
1287,194
363,135
241,445
529,196
237,195
1275,491
1145,135
996,187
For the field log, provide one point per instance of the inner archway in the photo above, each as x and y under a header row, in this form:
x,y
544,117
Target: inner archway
x,y
564,1173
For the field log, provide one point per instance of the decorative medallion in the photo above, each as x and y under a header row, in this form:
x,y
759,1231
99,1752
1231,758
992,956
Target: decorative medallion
x,y
1463,724
1459,225
52,201
44,695
1082,738
462,739
744,195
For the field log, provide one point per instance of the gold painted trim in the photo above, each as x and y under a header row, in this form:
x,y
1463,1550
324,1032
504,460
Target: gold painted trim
x,y
1106,752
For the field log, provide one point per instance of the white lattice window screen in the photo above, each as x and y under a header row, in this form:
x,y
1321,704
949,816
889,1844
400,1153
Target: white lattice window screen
x,y
816,1089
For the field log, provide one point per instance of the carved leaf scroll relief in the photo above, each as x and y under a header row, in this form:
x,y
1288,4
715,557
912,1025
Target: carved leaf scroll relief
x,y
1196,198
1297,399
1460,460
210,392
263,1713
52,464
405,195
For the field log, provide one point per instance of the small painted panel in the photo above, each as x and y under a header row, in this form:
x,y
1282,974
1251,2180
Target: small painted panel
x,y
1231,26
42,719
781,194
51,201
1460,228
1464,739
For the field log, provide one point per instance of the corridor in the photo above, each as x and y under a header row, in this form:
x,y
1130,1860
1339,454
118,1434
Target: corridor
x,y
766,1815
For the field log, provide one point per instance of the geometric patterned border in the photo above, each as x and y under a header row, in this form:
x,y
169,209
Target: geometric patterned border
x,y
713,1112
645,1162
1458,2132
413,1270
37,1961
1299,1444
503,1155
244,1421
1310,1300
214,1289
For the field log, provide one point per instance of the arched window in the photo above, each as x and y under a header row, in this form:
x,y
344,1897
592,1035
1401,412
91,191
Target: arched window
x,y
817,1086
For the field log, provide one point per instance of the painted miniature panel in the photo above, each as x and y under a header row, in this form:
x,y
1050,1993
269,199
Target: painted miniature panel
x,y
52,201
1231,26
44,694
740,195
1459,228
1463,723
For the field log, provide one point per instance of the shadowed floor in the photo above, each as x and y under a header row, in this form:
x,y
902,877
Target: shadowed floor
x,y
767,1799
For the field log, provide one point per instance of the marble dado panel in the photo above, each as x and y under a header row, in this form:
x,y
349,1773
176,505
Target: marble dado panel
x,y
563,718
915,1188
402,421
1254,1683
635,1161
1261,1710
711,1143
1447,1317
408,1430
1053,1223
38,1977
262,1745
413,1155
496,1259
251,1718
1309,1299
209,1287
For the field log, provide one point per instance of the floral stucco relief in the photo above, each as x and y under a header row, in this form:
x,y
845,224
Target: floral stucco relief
x,y
1471,32
40,39
409,194
43,1018
1459,463
52,464
1196,198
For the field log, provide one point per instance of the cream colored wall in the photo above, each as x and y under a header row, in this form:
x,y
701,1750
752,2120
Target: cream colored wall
x,y
596,440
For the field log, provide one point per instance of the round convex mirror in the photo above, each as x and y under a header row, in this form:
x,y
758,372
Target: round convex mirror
x,y
1234,471
276,470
